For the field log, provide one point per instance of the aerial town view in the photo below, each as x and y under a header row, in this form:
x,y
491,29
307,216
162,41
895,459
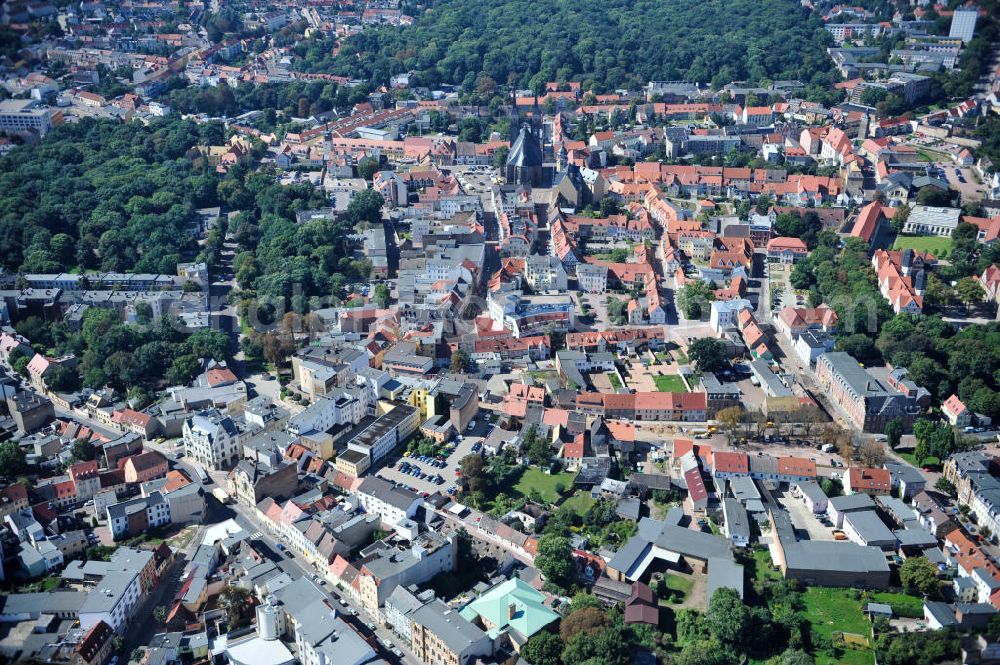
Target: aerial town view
x,y
499,332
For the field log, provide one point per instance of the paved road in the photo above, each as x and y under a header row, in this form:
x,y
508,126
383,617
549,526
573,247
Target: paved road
x,y
297,567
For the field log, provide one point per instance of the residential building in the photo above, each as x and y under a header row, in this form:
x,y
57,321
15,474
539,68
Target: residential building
x,y
145,467
392,504
513,608
385,567
592,277
136,516
116,587
956,412
865,480
441,635
212,439
544,273
736,524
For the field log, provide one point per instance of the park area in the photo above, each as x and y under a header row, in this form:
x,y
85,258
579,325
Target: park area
x,y
937,246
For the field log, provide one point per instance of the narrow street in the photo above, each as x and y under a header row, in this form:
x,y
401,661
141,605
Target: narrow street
x,y
297,567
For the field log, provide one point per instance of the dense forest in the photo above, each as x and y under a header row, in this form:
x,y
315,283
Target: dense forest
x,y
300,99
104,195
604,44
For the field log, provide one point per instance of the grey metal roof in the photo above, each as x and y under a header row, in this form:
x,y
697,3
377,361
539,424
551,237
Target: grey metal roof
x,y
724,573
825,555
905,473
33,604
737,523
813,491
852,502
869,527
915,538
455,631
386,492
942,612
835,556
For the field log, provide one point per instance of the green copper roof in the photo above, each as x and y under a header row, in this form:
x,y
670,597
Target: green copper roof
x,y
530,614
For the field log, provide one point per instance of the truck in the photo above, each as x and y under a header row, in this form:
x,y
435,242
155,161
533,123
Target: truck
x,y
828,448
221,495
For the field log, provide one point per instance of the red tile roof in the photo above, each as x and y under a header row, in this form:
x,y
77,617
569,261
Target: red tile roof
x,y
731,462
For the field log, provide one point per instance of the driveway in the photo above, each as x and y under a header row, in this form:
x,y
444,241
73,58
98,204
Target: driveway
x,y
803,519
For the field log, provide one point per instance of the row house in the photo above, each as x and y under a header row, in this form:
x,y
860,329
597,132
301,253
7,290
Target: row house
x,y
657,406
506,349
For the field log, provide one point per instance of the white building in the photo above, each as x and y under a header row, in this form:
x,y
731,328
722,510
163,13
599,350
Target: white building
x,y
328,411
392,504
117,586
724,313
27,116
928,220
212,439
545,273
592,278
132,517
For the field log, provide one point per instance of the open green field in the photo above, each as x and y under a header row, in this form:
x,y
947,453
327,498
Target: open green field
x,y
835,610
579,503
932,244
669,383
533,478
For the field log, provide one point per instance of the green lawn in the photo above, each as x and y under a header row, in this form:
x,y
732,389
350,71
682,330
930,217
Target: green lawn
x,y
615,383
834,610
579,503
932,244
763,569
669,383
931,461
533,478
901,603
681,585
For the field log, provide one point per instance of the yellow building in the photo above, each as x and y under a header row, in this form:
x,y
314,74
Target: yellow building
x,y
353,463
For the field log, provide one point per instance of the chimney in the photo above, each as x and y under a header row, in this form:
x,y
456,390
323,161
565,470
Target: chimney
x,y
511,611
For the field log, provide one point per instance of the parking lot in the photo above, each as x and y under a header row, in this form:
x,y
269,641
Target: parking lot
x,y
463,447
476,180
